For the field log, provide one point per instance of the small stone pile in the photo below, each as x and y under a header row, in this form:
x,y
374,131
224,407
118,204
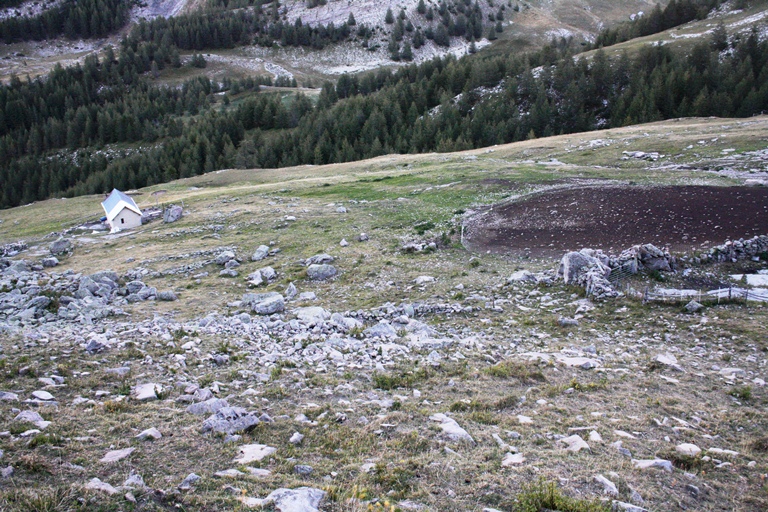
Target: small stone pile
x,y
736,250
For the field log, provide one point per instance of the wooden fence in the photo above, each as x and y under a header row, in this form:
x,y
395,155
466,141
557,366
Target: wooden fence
x,y
717,296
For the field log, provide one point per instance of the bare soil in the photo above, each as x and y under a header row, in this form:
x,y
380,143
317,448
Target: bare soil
x,y
612,218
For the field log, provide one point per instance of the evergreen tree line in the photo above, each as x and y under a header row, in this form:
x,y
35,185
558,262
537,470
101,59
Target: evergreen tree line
x,y
435,106
6,4
73,19
676,13
227,29
89,106
418,113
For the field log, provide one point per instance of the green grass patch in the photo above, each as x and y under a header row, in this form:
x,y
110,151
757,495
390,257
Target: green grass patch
x,y
544,496
403,379
516,370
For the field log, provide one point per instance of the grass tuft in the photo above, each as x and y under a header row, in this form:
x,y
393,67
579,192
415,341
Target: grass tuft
x,y
515,370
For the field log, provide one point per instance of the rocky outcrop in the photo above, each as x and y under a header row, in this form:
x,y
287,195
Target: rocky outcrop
x,y
587,269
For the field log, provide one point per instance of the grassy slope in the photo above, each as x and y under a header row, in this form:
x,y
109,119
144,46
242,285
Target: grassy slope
x,y
401,192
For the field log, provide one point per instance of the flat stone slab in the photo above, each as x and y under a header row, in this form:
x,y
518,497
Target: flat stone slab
x,y
97,485
669,360
451,428
116,455
688,449
254,452
42,395
574,443
512,459
150,433
302,499
652,463
720,451
144,392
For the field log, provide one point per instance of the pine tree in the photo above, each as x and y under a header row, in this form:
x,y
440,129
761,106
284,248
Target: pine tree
x,y
421,8
720,38
407,53
389,18
351,20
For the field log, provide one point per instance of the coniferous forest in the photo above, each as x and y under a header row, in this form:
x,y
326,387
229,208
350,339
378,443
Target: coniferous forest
x,y
54,130
72,19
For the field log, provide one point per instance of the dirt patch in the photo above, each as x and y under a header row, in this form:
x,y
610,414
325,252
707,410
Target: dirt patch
x,y
612,218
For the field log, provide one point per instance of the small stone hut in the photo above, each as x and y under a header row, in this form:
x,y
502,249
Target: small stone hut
x,y
121,210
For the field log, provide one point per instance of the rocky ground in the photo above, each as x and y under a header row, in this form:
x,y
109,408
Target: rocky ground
x,y
318,338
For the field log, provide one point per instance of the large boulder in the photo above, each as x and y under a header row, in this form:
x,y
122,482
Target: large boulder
x,y
575,265
302,499
321,272
264,303
61,246
261,252
312,315
223,257
584,269
172,213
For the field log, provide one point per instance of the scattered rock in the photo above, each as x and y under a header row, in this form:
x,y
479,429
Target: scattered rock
x,y
187,483
167,295
693,307
452,429
290,291
61,246
231,420
32,417
512,459
50,262
732,373
149,391
97,485
264,303
626,507
261,252
223,257
302,469
319,259
574,443
253,452
150,433
653,463
172,213
116,455
687,449
43,395
522,276
720,451
669,360
134,481
302,499
609,487
209,406
321,272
